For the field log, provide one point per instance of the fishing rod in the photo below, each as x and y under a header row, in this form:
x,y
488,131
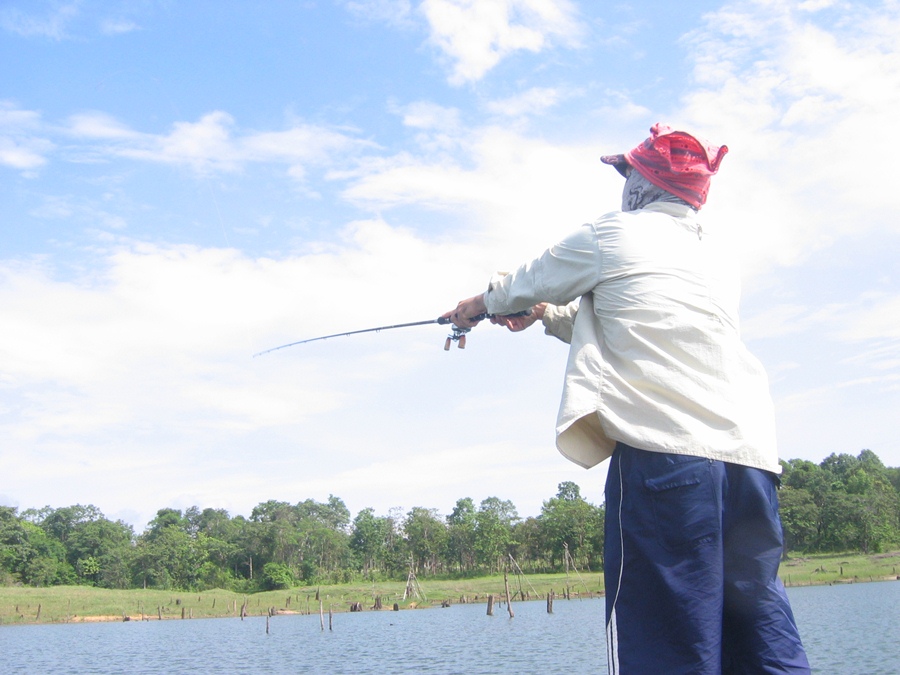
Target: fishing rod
x,y
458,335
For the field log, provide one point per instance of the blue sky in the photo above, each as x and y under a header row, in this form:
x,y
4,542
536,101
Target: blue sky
x,y
185,184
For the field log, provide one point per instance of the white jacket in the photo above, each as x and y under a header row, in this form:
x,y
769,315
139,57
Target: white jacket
x,y
656,360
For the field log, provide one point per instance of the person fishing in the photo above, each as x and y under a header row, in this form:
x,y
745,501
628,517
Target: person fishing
x,y
659,382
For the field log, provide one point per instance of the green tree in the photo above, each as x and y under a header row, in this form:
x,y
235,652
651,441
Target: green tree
x,y
60,523
29,554
799,519
170,559
277,576
530,548
426,535
324,529
860,511
802,474
494,523
165,519
311,537
95,547
370,540
461,524
99,550
568,523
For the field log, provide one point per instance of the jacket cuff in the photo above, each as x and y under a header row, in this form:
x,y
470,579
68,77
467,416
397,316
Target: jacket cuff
x,y
495,297
559,321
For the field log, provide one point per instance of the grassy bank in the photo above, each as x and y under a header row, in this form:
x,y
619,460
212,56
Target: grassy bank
x,y
62,604
20,605
810,570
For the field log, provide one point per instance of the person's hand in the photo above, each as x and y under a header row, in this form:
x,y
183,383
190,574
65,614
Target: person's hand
x,y
520,323
466,311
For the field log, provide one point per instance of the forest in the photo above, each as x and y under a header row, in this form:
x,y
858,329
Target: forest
x,y
842,504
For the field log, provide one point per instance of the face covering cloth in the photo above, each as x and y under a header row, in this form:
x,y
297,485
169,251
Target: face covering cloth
x,y
639,192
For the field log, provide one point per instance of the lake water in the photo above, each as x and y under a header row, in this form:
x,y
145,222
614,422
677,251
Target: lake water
x,y
851,629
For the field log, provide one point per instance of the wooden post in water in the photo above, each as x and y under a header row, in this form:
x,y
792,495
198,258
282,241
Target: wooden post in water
x,y
550,602
267,624
508,599
330,618
490,608
321,616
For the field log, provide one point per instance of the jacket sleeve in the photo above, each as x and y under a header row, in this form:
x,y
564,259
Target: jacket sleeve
x,y
560,320
564,273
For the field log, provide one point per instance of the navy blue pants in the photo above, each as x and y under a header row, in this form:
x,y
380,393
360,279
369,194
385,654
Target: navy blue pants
x,y
691,560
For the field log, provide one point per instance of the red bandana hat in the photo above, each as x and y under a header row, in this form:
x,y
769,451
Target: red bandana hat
x,y
677,162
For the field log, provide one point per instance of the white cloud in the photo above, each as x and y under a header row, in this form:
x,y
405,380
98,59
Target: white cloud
x,y
430,116
875,315
861,339
393,12
27,154
475,35
52,25
205,144
520,193
78,209
872,316
99,126
63,20
166,333
144,363
213,143
14,118
534,101
21,146
117,26
806,109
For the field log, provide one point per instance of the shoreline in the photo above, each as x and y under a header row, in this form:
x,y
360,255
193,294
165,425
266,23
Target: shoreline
x,y
343,607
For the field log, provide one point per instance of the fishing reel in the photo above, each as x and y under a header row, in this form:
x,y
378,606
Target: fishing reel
x,y
458,336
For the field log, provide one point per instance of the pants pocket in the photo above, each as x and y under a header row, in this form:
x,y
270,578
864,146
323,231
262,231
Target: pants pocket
x,y
684,504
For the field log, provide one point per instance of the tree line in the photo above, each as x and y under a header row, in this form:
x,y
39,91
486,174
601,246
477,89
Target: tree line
x,y
844,503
